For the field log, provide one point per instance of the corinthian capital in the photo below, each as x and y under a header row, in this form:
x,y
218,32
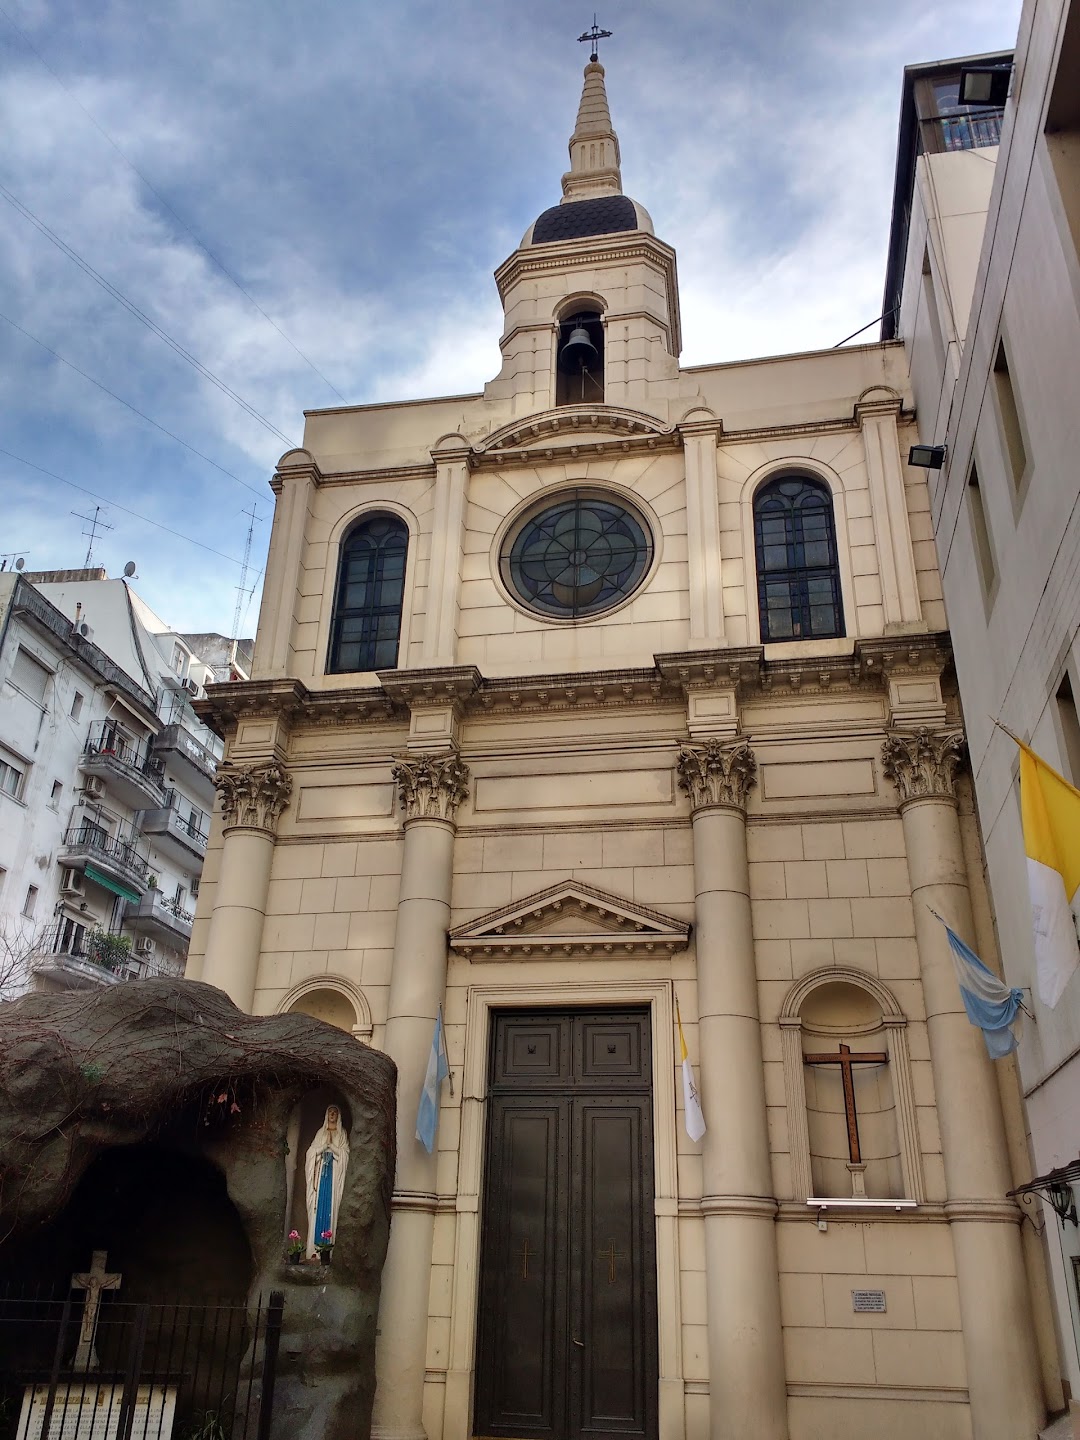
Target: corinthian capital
x,y
717,773
252,796
431,787
923,763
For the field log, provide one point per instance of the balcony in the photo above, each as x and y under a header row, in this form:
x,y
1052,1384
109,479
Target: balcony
x,y
174,836
133,773
79,959
162,918
107,861
193,763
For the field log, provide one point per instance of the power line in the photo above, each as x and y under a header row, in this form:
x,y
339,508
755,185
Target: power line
x,y
162,201
115,505
133,408
132,308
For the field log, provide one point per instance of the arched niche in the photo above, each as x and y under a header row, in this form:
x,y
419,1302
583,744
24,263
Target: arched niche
x,y
304,1123
843,1007
335,1000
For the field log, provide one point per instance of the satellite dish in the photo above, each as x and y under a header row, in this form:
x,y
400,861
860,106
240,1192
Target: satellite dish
x,y
19,563
129,569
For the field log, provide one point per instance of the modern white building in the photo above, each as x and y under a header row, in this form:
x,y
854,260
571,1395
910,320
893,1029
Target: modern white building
x,y
106,781
985,268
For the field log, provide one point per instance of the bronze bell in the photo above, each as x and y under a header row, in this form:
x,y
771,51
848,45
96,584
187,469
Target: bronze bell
x,y
579,353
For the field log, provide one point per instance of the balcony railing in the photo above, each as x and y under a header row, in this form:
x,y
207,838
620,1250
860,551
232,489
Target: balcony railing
x,y
88,842
175,743
164,916
174,833
80,959
976,131
134,771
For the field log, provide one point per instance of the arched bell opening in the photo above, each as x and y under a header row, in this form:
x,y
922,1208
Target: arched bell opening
x,y
579,359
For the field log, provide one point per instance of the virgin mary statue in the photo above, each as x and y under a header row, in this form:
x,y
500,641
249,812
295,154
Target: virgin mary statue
x,y
324,1171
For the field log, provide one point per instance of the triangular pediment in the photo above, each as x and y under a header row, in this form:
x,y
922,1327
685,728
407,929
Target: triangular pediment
x,y
570,918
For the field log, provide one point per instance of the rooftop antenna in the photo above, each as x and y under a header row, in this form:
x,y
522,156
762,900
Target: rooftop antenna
x,y
594,36
241,589
12,559
96,523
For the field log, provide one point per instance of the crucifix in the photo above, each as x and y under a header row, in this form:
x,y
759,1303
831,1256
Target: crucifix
x,y
847,1062
93,1281
610,1255
594,36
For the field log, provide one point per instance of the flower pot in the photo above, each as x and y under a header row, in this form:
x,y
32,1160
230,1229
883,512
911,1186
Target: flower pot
x,y
324,1257
294,1259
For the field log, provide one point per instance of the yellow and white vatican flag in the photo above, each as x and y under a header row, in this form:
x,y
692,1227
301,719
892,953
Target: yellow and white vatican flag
x,y
695,1120
1050,812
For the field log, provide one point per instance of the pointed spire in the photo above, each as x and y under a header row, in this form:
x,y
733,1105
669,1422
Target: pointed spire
x,y
594,146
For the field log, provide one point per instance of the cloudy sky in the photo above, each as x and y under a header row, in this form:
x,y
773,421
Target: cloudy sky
x,y
227,213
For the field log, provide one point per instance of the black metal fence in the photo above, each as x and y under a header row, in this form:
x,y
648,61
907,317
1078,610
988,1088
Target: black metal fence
x,y
160,1371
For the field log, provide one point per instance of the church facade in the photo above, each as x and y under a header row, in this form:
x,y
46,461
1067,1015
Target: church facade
x,y
617,695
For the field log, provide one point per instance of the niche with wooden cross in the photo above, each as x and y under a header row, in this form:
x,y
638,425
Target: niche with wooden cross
x,y
851,1111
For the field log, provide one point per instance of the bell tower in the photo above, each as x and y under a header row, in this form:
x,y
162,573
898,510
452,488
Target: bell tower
x,y
590,296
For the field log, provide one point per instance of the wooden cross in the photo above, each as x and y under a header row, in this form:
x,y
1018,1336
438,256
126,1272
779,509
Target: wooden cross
x,y
93,1281
846,1060
525,1259
610,1255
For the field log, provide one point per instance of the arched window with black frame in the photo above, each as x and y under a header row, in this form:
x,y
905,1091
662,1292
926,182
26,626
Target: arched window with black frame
x,y
798,573
370,590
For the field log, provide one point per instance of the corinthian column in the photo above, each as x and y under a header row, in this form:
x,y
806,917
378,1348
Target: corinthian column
x,y
1003,1378
252,799
747,1388
431,787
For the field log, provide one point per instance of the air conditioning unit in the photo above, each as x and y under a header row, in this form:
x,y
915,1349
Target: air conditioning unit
x,y
94,787
145,946
73,883
191,686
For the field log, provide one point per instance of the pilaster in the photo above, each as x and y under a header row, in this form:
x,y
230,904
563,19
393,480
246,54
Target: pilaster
x,y
294,483
451,457
700,432
877,415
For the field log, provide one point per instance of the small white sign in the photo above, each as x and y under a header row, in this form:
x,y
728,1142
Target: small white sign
x,y
90,1410
868,1301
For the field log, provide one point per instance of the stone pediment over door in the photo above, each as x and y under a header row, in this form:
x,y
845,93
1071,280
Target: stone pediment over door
x,y
570,919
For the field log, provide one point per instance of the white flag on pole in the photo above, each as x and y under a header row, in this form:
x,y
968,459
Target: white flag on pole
x,y
695,1120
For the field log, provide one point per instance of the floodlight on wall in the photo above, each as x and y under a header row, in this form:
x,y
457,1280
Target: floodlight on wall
x,y
927,457
985,85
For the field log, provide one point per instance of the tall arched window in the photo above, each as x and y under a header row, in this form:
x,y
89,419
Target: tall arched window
x,y
370,589
798,573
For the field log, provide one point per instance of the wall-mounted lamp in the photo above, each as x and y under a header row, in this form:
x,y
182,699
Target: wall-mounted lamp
x,y
985,85
1062,1200
927,457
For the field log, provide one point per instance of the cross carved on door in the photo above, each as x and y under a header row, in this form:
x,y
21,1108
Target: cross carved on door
x,y
525,1258
610,1255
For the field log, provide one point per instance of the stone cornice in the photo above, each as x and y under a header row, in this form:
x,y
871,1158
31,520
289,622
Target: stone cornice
x,y
226,704
741,667
252,796
431,787
437,685
718,774
923,763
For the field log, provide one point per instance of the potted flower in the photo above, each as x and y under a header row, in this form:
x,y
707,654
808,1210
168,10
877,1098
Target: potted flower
x,y
325,1246
295,1248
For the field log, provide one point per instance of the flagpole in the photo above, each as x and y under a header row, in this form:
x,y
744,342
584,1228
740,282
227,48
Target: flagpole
x,y
446,1053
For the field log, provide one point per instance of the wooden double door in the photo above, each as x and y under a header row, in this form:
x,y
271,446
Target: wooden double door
x,y
567,1326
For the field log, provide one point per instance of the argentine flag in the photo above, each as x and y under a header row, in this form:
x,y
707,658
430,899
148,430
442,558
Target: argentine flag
x,y
438,1068
990,1003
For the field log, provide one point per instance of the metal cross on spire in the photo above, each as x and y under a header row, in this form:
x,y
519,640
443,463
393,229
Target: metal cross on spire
x,y
595,35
